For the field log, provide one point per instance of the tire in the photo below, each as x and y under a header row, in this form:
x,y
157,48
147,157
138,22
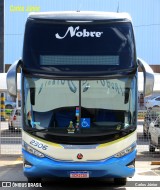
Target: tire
x,y
120,181
144,134
149,137
10,128
34,180
151,148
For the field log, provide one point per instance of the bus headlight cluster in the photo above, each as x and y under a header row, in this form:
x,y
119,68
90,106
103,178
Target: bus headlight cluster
x,y
125,151
32,150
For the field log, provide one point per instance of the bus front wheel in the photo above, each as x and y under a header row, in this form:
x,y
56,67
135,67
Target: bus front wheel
x,y
120,181
34,180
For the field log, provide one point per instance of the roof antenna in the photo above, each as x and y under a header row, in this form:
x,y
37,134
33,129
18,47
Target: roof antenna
x,y
79,5
118,7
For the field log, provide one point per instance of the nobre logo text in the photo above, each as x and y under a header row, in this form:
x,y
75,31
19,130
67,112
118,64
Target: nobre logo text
x,y
79,33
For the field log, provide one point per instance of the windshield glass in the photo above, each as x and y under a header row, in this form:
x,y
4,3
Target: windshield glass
x,y
79,107
51,46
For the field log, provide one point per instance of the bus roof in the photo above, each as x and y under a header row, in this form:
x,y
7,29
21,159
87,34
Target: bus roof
x,y
80,16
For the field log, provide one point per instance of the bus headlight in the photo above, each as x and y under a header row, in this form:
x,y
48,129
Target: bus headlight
x,y
125,151
32,150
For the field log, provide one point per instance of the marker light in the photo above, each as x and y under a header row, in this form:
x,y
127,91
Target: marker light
x,y
32,150
125,151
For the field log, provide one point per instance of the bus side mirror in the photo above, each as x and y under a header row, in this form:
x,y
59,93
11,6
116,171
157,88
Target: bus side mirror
x,y
148,77
12,78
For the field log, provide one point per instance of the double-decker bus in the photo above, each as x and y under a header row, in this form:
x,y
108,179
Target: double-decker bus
x,y
79,95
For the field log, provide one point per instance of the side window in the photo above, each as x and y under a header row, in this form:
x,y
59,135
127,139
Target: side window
x,y
157,99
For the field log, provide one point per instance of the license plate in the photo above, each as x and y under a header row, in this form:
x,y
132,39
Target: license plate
x,y
79,174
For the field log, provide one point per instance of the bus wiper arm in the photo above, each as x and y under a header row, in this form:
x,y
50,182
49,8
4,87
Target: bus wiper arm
x,y
36,130
127,130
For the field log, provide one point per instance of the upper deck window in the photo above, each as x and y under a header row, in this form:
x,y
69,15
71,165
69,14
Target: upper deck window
x,y
78,46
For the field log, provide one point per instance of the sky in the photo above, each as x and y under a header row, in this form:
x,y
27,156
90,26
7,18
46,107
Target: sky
x,y
145,16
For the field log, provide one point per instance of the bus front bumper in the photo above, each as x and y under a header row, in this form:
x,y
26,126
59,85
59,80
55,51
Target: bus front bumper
x,y
110,168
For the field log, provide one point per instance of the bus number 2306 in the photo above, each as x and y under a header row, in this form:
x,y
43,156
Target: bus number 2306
x,y
39,145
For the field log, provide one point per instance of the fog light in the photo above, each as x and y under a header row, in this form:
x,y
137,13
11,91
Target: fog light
x,y
27,166
131,164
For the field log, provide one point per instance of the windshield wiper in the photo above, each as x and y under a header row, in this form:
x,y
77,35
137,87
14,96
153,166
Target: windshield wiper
x,y
127,130
35,130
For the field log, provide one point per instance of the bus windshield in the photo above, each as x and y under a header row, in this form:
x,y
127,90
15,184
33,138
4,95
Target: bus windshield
x,y
54,47
79,107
